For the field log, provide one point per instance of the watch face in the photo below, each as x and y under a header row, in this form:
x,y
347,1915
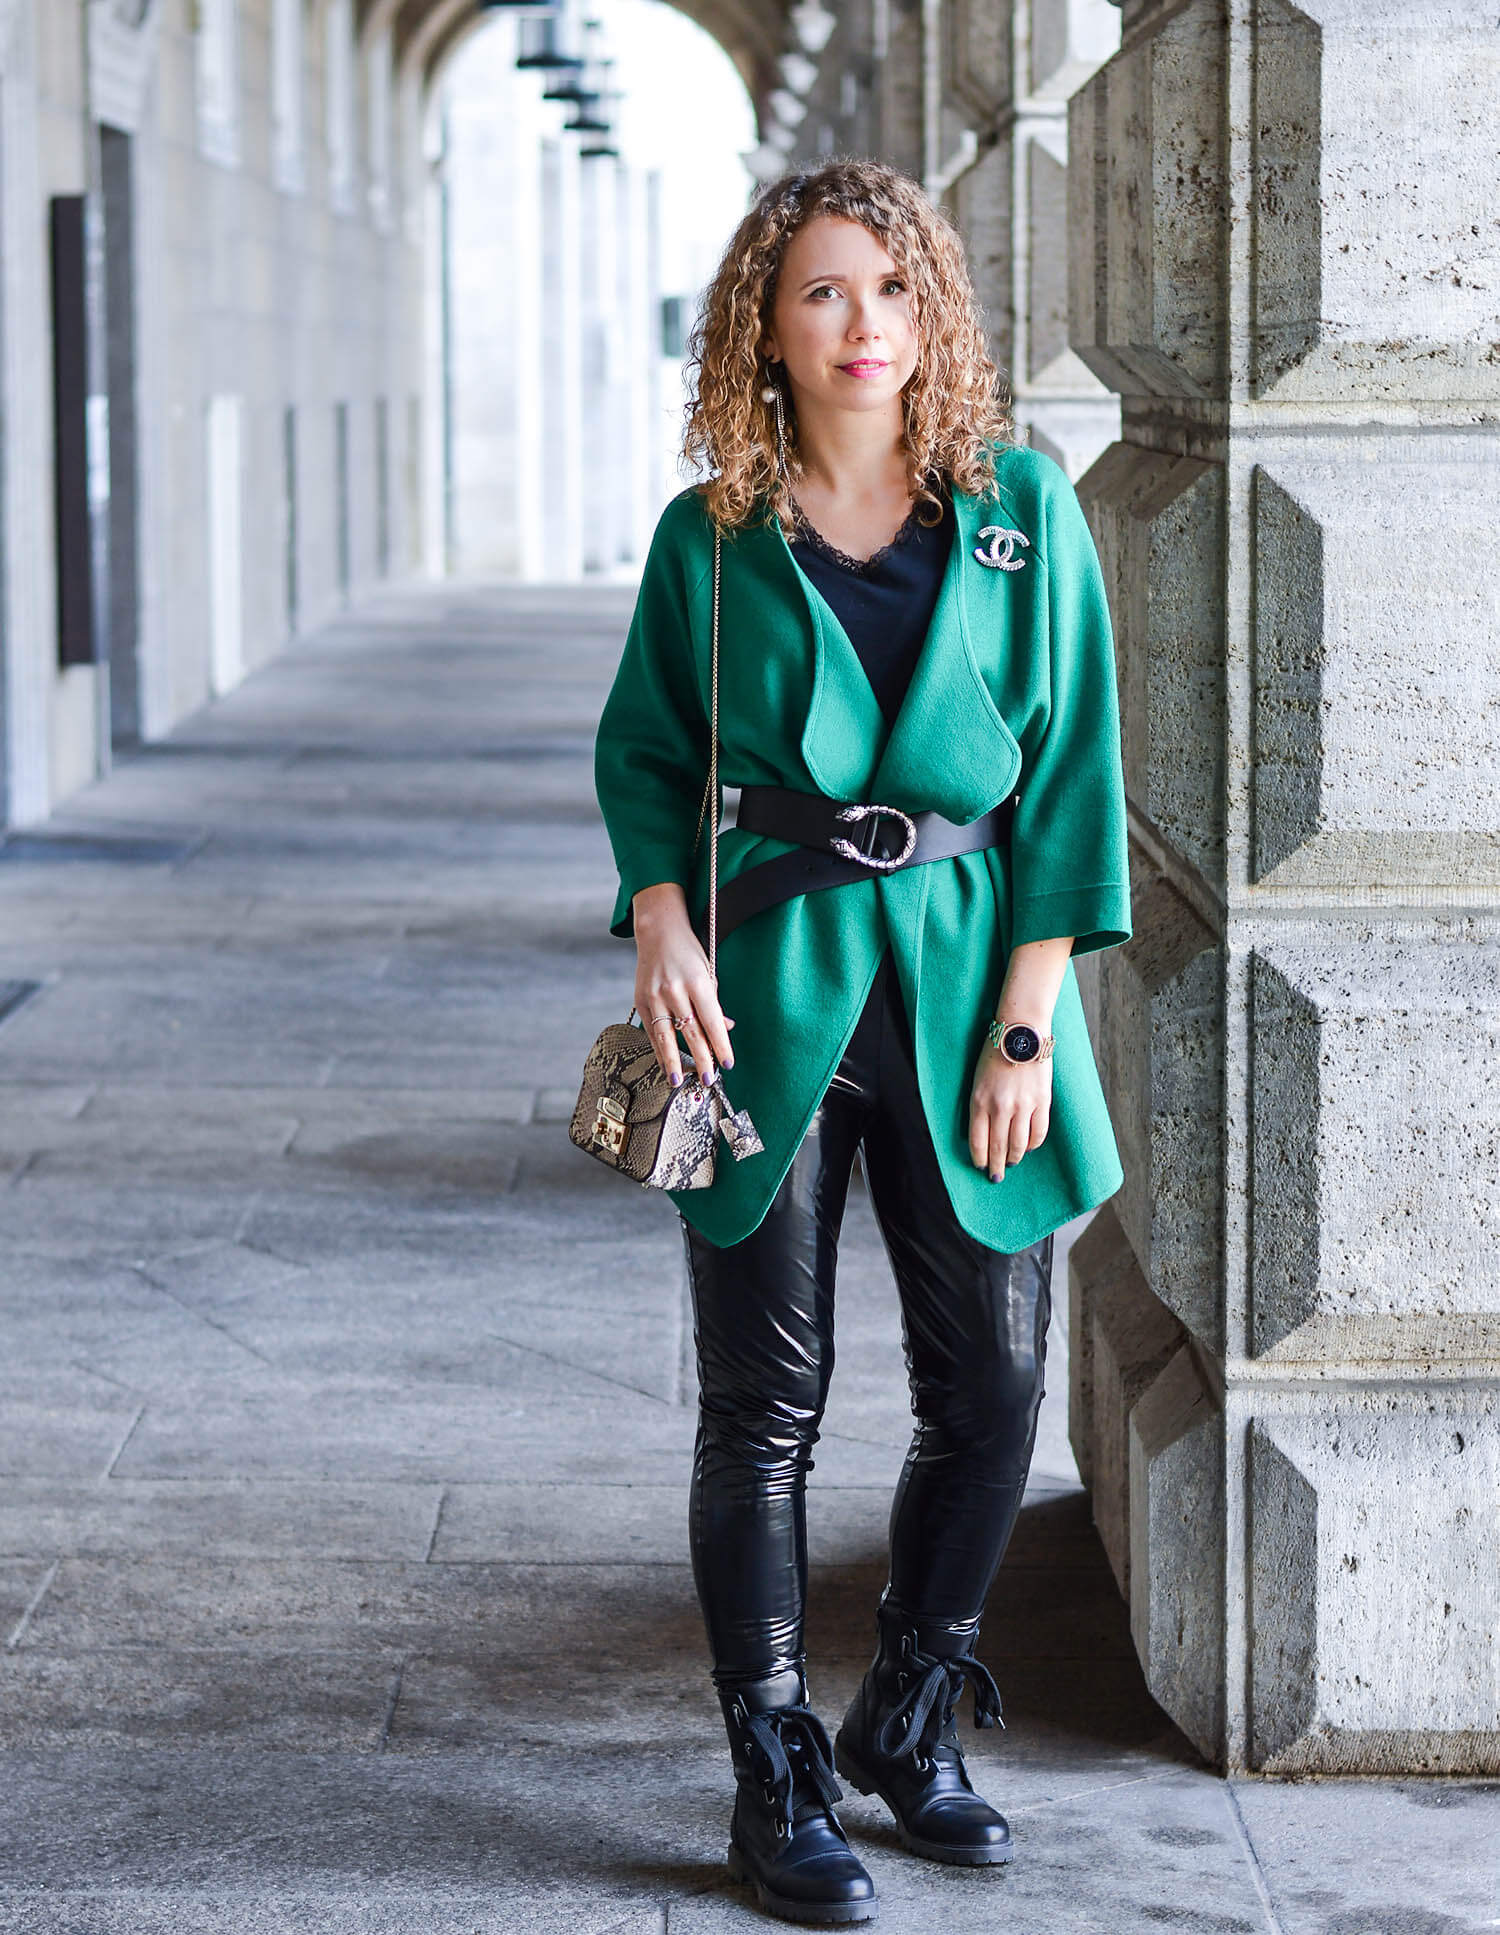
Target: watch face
x,y
1021,1043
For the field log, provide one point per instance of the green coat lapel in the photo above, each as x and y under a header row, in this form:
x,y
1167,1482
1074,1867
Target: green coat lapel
x,y
949,748
845,728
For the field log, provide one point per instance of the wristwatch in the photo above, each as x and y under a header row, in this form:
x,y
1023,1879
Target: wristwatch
x,y
1020,1044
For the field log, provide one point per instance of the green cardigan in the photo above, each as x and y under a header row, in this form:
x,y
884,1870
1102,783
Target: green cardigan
x,y
1014,691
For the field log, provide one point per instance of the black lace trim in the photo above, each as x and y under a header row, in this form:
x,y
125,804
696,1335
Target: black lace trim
x,y
808,530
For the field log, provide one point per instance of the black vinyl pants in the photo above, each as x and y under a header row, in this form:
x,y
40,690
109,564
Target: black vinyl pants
x,y
974,1324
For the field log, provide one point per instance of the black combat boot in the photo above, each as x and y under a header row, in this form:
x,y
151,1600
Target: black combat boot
x,y
785,1838
899,1741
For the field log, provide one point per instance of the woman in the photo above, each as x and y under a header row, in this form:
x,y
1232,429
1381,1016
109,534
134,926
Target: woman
x,y
912,619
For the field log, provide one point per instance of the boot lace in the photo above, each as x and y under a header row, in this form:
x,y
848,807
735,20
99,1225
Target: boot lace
x,y
789,1751
937,1685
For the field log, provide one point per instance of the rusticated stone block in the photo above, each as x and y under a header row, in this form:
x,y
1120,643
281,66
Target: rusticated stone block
x,y
1124,1061
1187,1147
1012,206
1048,358
1148,218
1120,1340
1372,1575
980,38
1376,754
1177,1549
1372,230
1089,1262
1158,521
1161,1060
1067,410
1375,1143
1374,273
981,200
1286,207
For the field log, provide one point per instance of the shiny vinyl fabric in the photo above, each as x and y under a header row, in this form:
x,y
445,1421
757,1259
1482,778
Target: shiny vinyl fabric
x,y
974,1324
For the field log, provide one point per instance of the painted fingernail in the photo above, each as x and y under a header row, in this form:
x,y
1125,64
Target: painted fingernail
x,y
674,1079
995,1175
729,1061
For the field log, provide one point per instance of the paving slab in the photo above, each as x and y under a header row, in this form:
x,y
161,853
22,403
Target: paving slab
x,y
347,1411
117,1220
63,1425
232,1518
290,1427
129,1698
1403,1857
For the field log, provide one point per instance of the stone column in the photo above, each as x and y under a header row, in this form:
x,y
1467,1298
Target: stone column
x,y
1286,1326
28,599
561,482
596,241
634,517
497,276
971,96
1009,72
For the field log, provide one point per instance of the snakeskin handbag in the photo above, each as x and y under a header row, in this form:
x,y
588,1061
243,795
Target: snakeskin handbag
x,y
628,1115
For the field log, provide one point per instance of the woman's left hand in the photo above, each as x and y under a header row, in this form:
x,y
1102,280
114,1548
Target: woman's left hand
x,y
1009,1109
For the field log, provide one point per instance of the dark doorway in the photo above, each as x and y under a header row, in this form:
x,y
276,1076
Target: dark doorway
x,y
80,405
116,158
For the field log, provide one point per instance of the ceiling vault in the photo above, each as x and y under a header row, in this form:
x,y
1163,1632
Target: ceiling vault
x,y
752,32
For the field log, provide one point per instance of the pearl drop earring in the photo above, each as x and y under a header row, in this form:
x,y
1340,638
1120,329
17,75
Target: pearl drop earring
x,y
772,394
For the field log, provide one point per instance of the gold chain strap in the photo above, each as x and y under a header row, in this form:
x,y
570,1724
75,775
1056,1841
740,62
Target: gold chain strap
x,y
711,791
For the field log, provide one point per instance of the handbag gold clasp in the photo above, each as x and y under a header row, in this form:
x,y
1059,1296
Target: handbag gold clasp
x,y
609,1125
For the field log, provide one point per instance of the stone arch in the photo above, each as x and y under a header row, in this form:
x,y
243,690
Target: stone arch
x,y
751,32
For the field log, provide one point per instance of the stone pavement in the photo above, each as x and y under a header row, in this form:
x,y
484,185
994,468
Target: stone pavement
x,y
347,1408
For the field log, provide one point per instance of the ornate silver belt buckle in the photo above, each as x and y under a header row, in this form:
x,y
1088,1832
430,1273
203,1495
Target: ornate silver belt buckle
x,y
851,852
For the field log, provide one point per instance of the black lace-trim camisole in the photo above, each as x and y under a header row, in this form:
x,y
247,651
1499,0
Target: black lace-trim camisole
x,y
884,602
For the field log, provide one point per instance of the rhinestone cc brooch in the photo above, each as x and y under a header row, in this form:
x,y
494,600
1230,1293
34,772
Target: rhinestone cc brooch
x,y
990,553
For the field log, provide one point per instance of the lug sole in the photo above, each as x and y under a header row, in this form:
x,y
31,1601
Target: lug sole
x,y
790,1910
976,1855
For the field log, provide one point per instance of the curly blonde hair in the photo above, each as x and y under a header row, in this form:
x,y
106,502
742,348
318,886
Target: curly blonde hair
x,y
954,407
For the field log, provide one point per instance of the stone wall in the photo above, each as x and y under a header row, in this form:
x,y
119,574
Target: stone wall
x,y
1287,1324
1009,72
273,380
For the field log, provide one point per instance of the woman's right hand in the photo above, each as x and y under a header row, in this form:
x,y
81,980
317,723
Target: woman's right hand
x,y
672,977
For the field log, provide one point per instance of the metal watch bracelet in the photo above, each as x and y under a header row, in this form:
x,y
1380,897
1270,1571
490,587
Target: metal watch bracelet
x,y
998,1032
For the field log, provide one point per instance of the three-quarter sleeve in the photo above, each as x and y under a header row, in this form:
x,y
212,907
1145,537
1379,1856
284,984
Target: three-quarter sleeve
x,y
1070,861
651,750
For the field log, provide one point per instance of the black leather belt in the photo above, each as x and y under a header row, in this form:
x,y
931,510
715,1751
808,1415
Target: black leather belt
x,y
840,843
